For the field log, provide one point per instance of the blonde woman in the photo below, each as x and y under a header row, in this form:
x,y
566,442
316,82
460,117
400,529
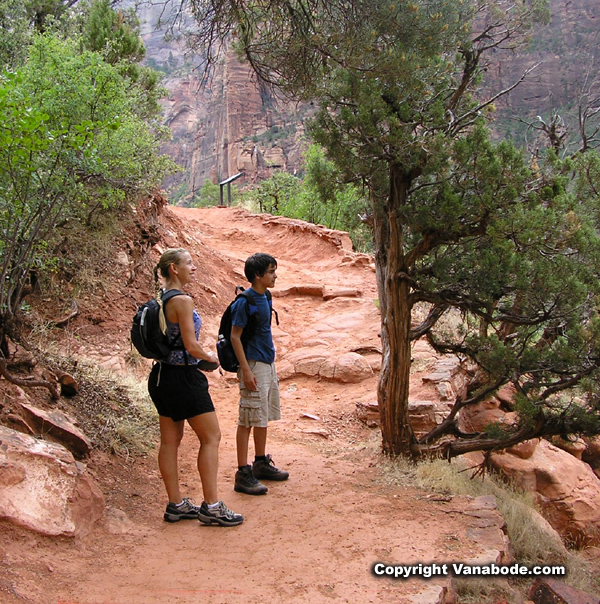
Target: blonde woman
x,y
180,393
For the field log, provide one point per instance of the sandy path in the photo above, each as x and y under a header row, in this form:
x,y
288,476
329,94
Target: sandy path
x,y
311,539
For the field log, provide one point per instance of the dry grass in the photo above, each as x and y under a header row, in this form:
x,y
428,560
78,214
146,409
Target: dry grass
x,y
482,591
532,544
114,411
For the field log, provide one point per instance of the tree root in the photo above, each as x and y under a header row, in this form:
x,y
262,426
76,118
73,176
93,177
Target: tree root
x,y
53,388
74,312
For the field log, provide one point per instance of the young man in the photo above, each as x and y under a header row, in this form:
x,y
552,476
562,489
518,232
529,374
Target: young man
x,y
259,386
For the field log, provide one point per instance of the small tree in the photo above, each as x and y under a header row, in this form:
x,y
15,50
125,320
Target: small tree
x,y
209,195
278,195
327,199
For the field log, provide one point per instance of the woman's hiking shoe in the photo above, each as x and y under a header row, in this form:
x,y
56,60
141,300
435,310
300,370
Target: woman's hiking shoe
x,y
186,510
265,470
219,514
245,482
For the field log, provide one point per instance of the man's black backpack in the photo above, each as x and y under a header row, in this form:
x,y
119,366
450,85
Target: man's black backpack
x,y
227,356
146,334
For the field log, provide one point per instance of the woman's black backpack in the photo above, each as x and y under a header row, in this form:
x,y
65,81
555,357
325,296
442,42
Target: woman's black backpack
x,y
146,334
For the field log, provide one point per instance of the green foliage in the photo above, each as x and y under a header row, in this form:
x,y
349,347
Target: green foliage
x,y
328,200
14,33
73,143
114,35
320,197
209,195
279,194
38,162
41,12
275,133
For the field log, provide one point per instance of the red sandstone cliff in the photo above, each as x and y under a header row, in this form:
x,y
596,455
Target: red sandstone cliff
x,y
231,126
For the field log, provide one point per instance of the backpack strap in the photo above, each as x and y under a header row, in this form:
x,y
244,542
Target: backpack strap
x,y
166,296
270,301
246,294
170,293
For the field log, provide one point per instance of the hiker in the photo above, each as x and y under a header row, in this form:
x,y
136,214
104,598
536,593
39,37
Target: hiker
x,y
179,391
259,386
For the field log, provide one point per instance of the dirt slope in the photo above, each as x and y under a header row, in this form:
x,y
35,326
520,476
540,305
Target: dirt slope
x,y
313,538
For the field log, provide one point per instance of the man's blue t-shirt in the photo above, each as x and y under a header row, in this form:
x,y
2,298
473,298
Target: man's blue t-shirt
x,y
260,347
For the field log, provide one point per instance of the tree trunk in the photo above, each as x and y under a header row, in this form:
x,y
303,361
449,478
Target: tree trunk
x,y
395,306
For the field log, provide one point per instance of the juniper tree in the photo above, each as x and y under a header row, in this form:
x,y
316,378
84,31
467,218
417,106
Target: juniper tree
x,y
460,223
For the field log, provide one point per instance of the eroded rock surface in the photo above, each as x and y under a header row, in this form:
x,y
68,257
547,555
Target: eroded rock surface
x,y
566,489
44,489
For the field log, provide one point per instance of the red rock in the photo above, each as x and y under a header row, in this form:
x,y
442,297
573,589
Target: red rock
x,y
44,489
575,448
551,591
351,368
55,425
329,293
566,489
525,449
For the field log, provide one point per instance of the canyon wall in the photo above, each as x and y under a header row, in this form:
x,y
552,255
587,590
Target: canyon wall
x,y
230,125
564,51
227,126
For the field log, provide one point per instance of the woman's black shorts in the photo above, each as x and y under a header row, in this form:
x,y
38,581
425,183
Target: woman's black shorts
x,y
179,392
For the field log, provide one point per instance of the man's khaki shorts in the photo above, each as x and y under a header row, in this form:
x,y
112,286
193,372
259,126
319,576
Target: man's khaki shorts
x,y
259,407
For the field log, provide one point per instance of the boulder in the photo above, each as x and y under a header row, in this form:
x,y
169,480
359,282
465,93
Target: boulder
x,y
474,418
299,290
487,527
285,370
566,490
525,449
426,415
44,489
449,378
576,447
552,591
348,368
506,395
329,293
57,426
591,454
308,361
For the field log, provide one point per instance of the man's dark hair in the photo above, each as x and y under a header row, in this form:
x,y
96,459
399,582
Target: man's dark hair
x,y
257,265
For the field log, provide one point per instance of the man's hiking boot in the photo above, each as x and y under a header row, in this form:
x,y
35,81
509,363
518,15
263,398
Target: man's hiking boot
x,y
266,470
186,510
245,482
219,514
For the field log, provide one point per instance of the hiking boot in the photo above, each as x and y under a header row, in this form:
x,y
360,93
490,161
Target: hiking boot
x,y
186,510
245,482
266,470
219,514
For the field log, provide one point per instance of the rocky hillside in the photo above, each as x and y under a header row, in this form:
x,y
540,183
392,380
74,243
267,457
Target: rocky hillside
x,y
566,52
